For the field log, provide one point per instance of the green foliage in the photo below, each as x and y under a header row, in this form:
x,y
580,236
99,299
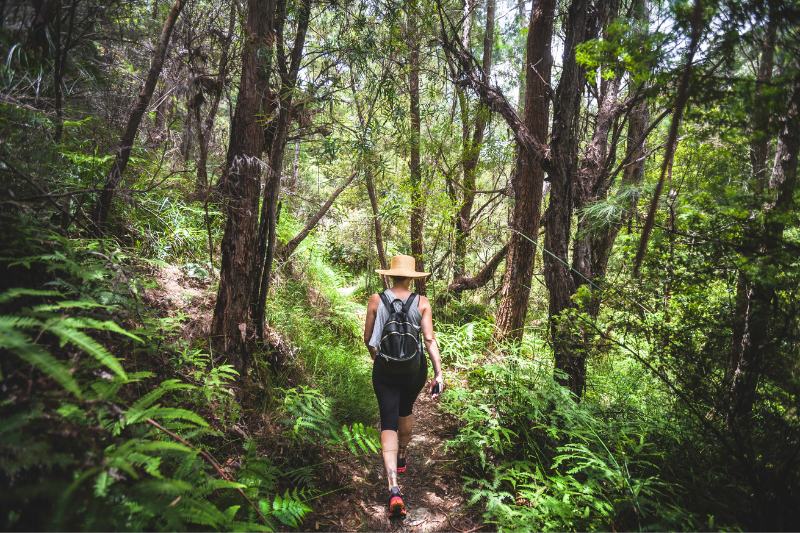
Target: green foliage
x,y
311,419
82,445
543,461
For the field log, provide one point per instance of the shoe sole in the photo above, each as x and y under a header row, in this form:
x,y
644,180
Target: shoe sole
x,y
396,507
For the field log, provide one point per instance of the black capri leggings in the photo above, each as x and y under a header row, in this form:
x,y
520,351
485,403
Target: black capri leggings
x,y
397,394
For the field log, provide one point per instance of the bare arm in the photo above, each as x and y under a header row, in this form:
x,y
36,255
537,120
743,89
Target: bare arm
x,y
369,324
430,342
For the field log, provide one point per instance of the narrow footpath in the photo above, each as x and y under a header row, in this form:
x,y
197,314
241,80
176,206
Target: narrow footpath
x,y
431,486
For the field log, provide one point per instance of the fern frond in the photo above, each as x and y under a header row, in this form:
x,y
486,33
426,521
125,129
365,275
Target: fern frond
x,y
89,345
67,304
103,325
20,322
23,348
163,388
289,510
13,293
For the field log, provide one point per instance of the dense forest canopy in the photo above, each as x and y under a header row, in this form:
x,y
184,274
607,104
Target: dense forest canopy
x,y
195,197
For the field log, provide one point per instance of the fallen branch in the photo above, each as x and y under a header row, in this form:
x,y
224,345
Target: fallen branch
x,y
478,280
290,247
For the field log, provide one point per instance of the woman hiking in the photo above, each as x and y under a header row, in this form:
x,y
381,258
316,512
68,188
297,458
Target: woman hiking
x,y
400,369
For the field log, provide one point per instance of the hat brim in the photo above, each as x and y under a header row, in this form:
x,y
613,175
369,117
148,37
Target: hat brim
x,y
403,273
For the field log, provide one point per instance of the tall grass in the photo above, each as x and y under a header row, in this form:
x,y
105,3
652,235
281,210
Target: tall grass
x,y
325,326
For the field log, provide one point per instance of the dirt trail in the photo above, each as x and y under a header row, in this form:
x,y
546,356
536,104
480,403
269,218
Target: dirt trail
x,y
431,486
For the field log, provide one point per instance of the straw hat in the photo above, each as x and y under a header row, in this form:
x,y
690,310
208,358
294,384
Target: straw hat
x,y
403,265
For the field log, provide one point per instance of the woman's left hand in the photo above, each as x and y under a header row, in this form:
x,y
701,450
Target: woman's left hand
x,y
436,380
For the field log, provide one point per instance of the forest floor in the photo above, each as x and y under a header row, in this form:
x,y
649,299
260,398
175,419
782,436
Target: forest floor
x,y
432,484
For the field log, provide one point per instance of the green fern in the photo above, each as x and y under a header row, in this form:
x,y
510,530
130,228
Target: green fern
x,y
289,509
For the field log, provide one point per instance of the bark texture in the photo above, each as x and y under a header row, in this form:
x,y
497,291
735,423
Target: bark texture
x,y
103,205
240,188
269,209
564,147
529,177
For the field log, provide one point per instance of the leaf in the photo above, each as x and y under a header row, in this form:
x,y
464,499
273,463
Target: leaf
x,y
23,348
88,345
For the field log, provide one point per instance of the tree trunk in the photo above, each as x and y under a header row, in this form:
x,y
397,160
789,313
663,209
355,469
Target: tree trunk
x,y
601,241
269,209
126,142
240,187
529,177
753,231
57,70
417,196
205,128
523,77
373,200
296,166
470,154
591,248
564,153
759,145
757,344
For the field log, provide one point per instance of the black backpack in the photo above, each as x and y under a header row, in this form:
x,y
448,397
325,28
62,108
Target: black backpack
x,y
400,345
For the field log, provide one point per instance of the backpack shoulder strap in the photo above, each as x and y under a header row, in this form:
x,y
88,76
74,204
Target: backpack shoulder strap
x,y
409,302
386,302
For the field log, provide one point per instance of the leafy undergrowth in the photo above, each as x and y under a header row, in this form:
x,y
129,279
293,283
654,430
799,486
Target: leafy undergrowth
x,y
539,460
115,416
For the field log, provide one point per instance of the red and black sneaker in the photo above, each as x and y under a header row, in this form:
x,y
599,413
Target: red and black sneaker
x,y
396,505
401,461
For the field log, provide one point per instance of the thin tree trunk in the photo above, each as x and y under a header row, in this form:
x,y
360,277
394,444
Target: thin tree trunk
x,y
269,209
756,343
364,120
296,166
753,232
240,187
373,200
759,145
529,178
564,150
591,249
471,154
126,142
57,73
204,128
523,78
417,196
